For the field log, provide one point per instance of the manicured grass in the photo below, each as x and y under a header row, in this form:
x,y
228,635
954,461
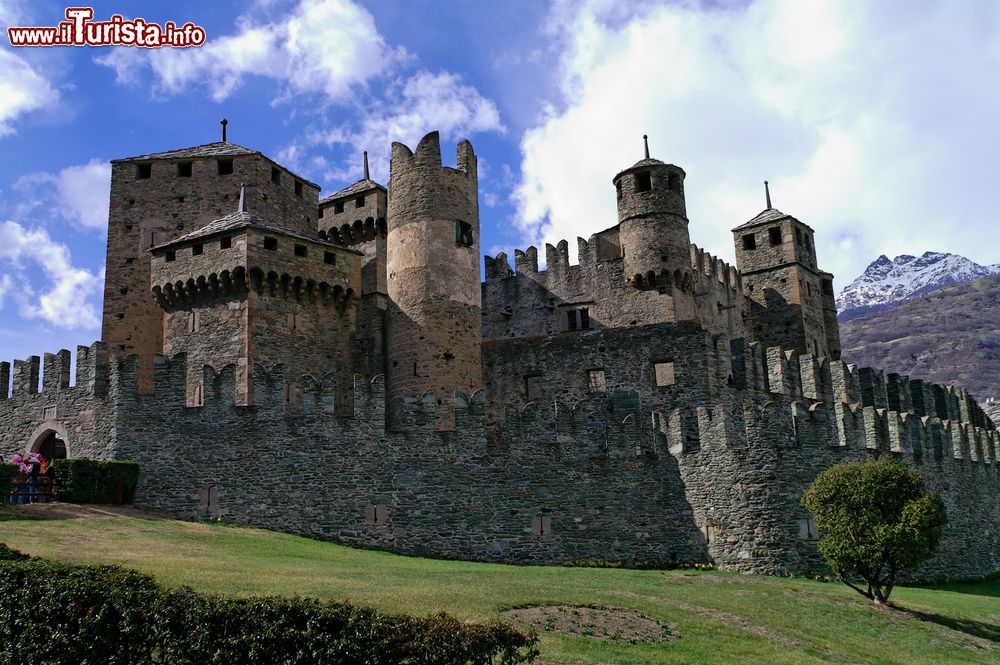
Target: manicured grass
x,y
719,617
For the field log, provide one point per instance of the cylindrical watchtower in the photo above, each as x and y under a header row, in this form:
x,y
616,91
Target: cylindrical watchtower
x,y
653,225
434,324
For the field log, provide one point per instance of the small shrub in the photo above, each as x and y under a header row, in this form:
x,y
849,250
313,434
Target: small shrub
x,y
95,481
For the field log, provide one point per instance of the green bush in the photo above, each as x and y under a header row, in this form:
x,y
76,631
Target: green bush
x,y
53,613
876,520
7,473
94,481
10,554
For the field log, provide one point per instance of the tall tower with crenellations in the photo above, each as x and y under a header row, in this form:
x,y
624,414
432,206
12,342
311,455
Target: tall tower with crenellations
x,y
653,221
790,300
433,320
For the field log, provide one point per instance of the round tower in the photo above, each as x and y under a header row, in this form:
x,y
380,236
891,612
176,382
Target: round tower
x,y
433,322
653,225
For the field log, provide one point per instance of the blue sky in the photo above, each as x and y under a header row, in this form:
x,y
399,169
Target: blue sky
x,y
874,122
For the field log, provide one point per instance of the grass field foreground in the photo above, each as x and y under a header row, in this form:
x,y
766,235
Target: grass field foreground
x,y
710,617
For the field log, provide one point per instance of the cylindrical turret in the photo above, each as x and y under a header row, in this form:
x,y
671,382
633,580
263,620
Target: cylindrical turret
x,y
653,222
434,324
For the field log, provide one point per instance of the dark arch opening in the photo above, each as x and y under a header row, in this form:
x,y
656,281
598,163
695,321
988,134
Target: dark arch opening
x,y
51,447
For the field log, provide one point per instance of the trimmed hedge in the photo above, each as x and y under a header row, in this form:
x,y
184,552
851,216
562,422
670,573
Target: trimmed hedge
x,y
57,613
7,474
94,481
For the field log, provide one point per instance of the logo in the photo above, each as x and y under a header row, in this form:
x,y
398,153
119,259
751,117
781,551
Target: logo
x,y
79,29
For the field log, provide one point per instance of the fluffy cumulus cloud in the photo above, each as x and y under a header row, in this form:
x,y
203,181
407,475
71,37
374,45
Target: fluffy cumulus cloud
x,y
412,107
874,122
322,46
22,89
78,194
66,297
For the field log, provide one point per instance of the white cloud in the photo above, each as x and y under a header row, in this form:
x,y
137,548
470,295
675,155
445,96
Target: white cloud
x,y
874,122
323,46
79,194
23,89
413,107
65,301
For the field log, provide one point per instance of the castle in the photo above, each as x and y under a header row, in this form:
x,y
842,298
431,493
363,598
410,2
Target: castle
x,y
334,367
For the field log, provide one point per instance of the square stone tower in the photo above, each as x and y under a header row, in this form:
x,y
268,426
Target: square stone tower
x,y
791,301
159,197
244,290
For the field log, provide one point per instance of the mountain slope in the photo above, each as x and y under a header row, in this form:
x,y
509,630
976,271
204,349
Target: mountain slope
x,y
951,335
884,284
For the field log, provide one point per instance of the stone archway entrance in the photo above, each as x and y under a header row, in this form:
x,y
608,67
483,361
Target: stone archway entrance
x,y
51,447
51,440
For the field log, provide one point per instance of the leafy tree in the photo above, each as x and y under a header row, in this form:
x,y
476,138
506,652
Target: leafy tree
x,y
876,520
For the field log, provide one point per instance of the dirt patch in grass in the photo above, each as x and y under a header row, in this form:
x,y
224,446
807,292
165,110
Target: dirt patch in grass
x,y
598,623
71,511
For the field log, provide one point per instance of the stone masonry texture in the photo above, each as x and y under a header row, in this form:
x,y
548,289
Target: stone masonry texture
x,y
335,368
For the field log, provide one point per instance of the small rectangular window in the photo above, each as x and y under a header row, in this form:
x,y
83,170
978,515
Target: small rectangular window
x,y
463,233
541,526
193,322
571,320
225,242
197,250
329,258
596,381
798,235
275,175
183,169
270,243
170,256
359,202
143,171
749,241
301,250
664,374
224,166
533,387
338,208
774,236
298,188
294,321
643,182
584,318
376,514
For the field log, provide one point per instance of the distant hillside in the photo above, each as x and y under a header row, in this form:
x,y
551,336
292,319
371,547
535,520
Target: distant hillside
x,y
951,335
884,283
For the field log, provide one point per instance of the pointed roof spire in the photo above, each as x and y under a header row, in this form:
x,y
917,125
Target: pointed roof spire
x,y
367,177
645,142
243,197
767,195
224,122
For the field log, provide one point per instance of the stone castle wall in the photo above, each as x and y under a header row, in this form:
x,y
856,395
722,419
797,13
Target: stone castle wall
x,y
711,466
532,302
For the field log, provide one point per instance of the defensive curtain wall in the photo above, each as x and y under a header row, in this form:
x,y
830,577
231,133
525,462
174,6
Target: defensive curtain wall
x,y
681,449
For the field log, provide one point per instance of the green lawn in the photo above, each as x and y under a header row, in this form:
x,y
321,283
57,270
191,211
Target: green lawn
x,y
717,617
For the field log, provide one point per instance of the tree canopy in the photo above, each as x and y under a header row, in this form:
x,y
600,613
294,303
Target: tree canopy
x,y
875,519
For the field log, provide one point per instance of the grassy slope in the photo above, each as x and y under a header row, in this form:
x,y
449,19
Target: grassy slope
x,y
721,618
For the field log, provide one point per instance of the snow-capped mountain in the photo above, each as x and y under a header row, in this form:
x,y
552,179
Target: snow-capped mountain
x,y
885,283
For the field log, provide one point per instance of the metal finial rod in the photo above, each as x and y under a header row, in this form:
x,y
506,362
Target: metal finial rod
x,y
767,194
224,122
645,142
243,197
366,165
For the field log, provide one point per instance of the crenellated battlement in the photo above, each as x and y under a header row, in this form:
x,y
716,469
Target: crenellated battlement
x,y
49,376
704,263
